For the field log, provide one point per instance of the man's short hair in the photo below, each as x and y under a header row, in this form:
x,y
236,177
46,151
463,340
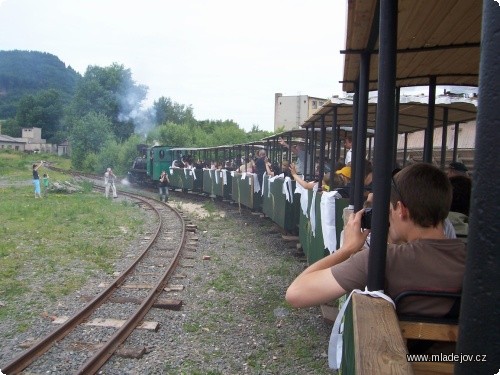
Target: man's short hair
x,y
425,191
459,167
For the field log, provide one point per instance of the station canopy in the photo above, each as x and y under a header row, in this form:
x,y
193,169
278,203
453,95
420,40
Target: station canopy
x,y
435,38
413,112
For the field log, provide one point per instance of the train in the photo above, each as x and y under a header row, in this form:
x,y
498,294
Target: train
x,y
213,172
455,47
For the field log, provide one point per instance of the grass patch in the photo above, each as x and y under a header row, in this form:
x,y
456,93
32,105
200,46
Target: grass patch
x,y
66,236
210,207
225,281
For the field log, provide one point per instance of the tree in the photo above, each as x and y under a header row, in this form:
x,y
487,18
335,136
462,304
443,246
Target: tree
x,y
88,135
172,135
167,111
10,127
228,135
256,134
43,110
111,92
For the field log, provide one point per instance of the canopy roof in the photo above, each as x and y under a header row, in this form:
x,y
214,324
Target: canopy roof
x,y
446,48
413,112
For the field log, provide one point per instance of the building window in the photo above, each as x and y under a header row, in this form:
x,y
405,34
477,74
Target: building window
x,y
321,104
314,104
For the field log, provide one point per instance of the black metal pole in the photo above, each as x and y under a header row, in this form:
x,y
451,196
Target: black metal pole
x,y
322,152
444,137
455,140
334,144
306,148
355,111
313,154
384,140
396,122
359,135
480,308
405,150
429,131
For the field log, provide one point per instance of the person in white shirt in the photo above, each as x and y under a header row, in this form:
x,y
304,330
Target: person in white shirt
x,y
109,183
348,146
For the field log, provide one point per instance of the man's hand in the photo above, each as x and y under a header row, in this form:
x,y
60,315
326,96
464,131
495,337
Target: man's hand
x,y
354,237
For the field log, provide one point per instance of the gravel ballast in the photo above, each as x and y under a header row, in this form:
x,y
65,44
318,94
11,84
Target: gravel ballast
x,y
234,319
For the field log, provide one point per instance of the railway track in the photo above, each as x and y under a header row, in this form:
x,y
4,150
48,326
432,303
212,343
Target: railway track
x,y
104,323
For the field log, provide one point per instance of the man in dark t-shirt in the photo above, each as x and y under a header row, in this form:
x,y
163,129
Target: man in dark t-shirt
x,y
419,256
260,167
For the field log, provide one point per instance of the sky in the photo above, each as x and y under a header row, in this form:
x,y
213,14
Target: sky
x,y
225,58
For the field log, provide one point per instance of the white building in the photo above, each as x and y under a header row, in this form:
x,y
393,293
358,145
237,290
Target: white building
x,y
10,143
34,141
290,112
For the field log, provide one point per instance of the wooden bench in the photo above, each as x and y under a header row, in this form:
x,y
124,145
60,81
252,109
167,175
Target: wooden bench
x,y
431,329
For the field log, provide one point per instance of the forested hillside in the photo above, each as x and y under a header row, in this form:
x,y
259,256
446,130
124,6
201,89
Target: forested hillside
x,y
28,72
99,113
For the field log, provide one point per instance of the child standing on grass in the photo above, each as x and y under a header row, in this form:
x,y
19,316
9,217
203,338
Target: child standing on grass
x,y
45,184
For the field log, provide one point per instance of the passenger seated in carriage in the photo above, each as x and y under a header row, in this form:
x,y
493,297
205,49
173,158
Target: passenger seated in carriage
x,y
247,167
419,204
326,184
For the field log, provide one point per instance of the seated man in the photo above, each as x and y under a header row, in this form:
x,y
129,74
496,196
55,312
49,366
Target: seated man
x,y
460,204
457,169
419,257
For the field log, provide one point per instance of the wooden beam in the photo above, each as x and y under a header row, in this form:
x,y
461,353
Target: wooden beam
x,y
433,368
378,347
429,331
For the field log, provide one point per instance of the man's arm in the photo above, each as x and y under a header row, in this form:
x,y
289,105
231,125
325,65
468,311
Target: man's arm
x,y
286,145
283,143
316,284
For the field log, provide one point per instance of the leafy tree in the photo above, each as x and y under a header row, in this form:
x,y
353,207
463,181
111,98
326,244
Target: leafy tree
x,y
43,110
255,134
108,157
228,135
11,128
111,92
174,135
167,111
127,154
89,163
117,156
89,135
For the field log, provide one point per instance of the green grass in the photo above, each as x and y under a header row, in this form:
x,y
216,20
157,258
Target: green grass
x,y
68,236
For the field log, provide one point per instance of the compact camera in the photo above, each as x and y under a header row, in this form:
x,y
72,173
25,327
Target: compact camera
x,y
366,219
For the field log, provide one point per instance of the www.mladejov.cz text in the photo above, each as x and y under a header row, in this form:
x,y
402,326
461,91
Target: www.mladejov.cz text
x,y
442,357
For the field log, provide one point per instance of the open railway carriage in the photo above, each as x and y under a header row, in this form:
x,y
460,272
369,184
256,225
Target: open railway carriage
x,y
392,44
184,178
244,186
304,210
